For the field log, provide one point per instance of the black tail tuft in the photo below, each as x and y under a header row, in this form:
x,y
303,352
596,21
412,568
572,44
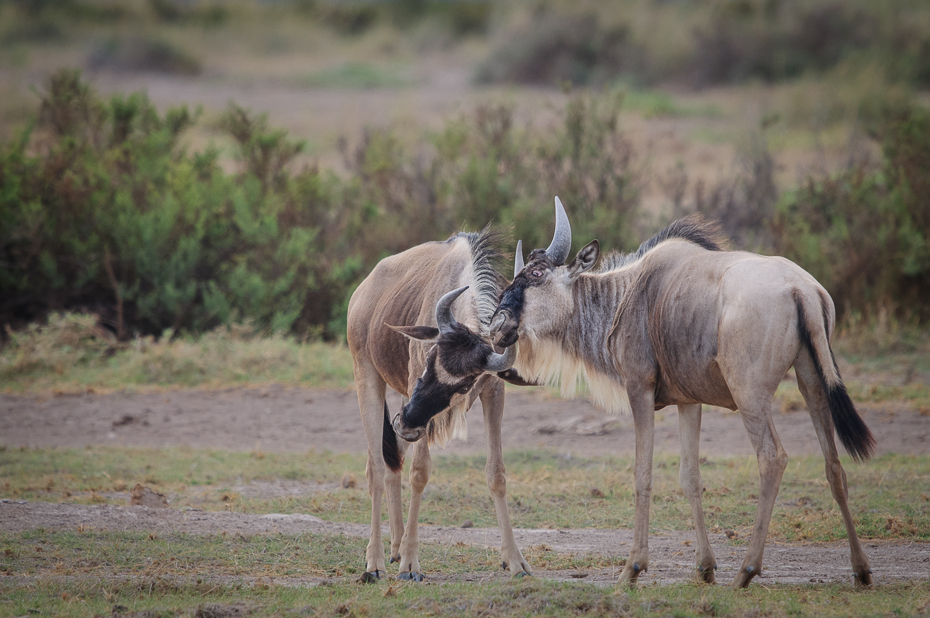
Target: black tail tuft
x,y
855,435
852,430
392,456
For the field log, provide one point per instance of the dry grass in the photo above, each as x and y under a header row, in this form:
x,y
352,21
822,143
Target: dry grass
x,y
888,495
72,353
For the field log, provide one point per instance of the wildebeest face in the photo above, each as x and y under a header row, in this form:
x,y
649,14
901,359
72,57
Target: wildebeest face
x,y
453,366
539,300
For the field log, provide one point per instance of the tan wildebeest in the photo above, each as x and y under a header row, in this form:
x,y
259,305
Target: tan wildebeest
x,y
402,334
682,322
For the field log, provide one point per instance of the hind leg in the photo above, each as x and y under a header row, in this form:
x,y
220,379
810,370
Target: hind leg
x,y
772,459
817,405
370,388
689,475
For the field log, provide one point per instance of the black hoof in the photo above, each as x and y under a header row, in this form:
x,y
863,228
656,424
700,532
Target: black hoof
x,y
636,568
395,559
523,574
750,570
370,577
504,566
412,576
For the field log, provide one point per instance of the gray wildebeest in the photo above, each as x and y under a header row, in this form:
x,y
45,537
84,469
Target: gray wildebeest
x,y
681,321
402,333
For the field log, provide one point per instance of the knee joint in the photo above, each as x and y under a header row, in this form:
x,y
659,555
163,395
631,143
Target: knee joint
x,y
497,482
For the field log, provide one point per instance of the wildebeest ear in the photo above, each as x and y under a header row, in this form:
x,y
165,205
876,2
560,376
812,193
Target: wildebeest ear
x,y
427,334
584,260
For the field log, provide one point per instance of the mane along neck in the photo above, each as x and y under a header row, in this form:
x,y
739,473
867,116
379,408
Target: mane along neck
x,y
579,354
487,283
693,228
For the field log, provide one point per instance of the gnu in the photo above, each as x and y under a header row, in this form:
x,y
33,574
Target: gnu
x,y
407,330
682,322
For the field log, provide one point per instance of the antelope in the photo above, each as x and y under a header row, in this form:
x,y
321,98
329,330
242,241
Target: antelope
x,y
683,322
402,333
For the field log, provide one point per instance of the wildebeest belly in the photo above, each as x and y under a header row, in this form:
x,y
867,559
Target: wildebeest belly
x,y
690,386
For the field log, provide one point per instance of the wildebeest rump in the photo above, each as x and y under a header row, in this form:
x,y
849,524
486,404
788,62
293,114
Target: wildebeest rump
x,y
683,322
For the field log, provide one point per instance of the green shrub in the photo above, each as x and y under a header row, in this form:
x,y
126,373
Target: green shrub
x,y
100,210
865,233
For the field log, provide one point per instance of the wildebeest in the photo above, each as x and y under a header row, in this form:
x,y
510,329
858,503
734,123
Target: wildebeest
x,y
683,322
402,333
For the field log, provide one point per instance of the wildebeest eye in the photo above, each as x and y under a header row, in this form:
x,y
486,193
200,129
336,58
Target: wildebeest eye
x,y
537,273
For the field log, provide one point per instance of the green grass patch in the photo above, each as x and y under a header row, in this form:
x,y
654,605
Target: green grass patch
x,y
356,76
656,104
888,496
163,596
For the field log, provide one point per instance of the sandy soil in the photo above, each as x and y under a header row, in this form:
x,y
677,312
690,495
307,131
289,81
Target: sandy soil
x,y
289,419
292,419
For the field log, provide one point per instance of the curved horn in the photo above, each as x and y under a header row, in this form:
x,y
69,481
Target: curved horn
x,y
501,362
444,318
561,244
518,260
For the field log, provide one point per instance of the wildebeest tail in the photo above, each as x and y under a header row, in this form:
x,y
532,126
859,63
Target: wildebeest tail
x,y
392,456
851,429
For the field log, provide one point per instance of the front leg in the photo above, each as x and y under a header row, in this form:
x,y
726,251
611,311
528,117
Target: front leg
x,y
644,424
409,567
492,401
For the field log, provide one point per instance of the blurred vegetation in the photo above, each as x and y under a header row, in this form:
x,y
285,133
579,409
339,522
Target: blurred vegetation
x,y
102,211
865,233
705,43
546,42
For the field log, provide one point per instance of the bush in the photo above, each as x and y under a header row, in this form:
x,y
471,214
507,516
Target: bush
x,y
146,55
110,216
556,48
865,234
706,43
101,211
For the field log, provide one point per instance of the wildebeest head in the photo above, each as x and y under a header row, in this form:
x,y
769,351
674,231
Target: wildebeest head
x,y
453,365
540,296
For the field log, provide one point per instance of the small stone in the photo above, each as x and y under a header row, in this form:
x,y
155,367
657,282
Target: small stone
x,y
468,524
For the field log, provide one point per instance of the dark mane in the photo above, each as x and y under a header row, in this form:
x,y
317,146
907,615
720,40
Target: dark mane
x,y
486,257
693,228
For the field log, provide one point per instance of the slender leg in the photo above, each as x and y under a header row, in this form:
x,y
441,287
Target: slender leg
x,y
492,400
819,409
644,425
757,419
392,487
409,547
689,475
370,388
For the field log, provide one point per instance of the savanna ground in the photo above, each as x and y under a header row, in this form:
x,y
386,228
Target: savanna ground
x,y
267,501
256,441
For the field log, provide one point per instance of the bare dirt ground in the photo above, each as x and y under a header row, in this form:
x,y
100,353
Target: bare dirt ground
x,y
291,419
